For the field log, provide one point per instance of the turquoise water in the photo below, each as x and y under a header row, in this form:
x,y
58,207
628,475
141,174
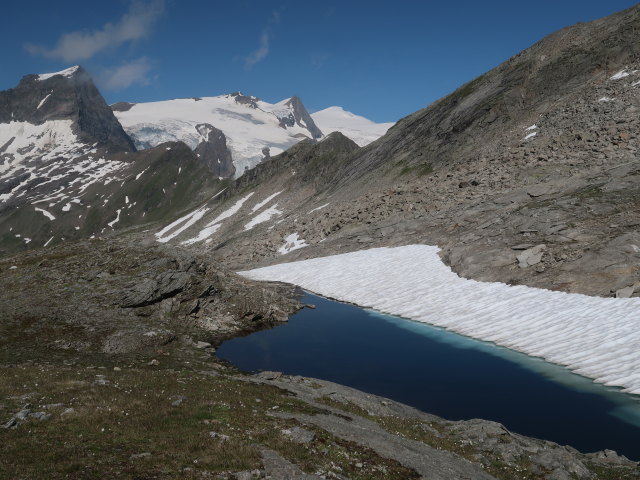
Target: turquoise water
x,y
443,373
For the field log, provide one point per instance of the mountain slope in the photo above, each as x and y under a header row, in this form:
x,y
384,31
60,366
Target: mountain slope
x,y
252,129
529,174
68,170
69,95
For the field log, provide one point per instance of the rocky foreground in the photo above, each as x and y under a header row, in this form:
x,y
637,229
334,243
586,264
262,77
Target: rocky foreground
x,y
108,370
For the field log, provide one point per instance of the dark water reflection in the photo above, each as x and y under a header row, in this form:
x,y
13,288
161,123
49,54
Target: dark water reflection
x,y
443,373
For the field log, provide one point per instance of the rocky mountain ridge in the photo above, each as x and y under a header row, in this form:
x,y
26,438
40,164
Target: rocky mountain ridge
x,y
526,175
249,129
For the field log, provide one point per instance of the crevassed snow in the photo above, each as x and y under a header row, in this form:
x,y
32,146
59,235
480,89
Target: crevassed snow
x,y
65,73
215,224
247,130
291,243
261,204
359,129
49,215
264,216
595,337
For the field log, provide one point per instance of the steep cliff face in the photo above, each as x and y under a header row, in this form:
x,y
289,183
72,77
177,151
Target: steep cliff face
x,y
213,151
67,95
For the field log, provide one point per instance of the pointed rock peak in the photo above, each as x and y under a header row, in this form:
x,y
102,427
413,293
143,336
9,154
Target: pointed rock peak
x,y
339,141
300,116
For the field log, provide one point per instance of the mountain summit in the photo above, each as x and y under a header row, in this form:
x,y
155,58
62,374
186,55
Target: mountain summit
x,y
70,96
250,129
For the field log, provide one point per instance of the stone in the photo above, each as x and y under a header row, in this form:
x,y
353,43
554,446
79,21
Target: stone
x,y
137,456
178,401
12,423
149,291
202,345
101,380
299,435
42,416
625,292
267,375
23,414
219,436
531,256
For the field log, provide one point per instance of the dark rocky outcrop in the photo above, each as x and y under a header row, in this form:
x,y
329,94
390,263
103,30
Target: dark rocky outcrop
x,y
68,97
213,151
122,106
299,116
245,99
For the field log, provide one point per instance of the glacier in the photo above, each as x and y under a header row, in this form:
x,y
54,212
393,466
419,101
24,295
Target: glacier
x,y
595,337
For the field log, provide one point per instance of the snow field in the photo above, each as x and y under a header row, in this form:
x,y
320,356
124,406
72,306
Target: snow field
x,y
595,337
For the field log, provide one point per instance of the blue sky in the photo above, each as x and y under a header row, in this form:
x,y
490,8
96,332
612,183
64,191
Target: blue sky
x,y
379,59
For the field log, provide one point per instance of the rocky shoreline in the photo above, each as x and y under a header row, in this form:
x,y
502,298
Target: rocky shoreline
x,y
113,357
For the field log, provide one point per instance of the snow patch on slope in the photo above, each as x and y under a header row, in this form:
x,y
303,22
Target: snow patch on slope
x,y
47,214
215,224
264,216
261,204
595,337
188,220
291,243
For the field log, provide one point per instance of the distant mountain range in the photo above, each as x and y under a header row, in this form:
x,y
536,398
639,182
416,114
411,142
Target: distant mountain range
x,y
66,160
233,133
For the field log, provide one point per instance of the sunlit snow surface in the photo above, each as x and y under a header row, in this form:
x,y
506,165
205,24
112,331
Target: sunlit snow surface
x,y
65,73
595,337
213,226
247,130
359,129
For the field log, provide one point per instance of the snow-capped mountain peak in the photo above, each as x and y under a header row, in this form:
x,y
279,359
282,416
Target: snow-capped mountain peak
x,y
252,128
359,129
68,72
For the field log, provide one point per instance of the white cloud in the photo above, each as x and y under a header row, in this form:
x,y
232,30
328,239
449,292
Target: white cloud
x,y
125,75
260,53
83,45
263,49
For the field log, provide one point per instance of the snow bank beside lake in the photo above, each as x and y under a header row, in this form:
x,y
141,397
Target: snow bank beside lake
x,y
595,337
